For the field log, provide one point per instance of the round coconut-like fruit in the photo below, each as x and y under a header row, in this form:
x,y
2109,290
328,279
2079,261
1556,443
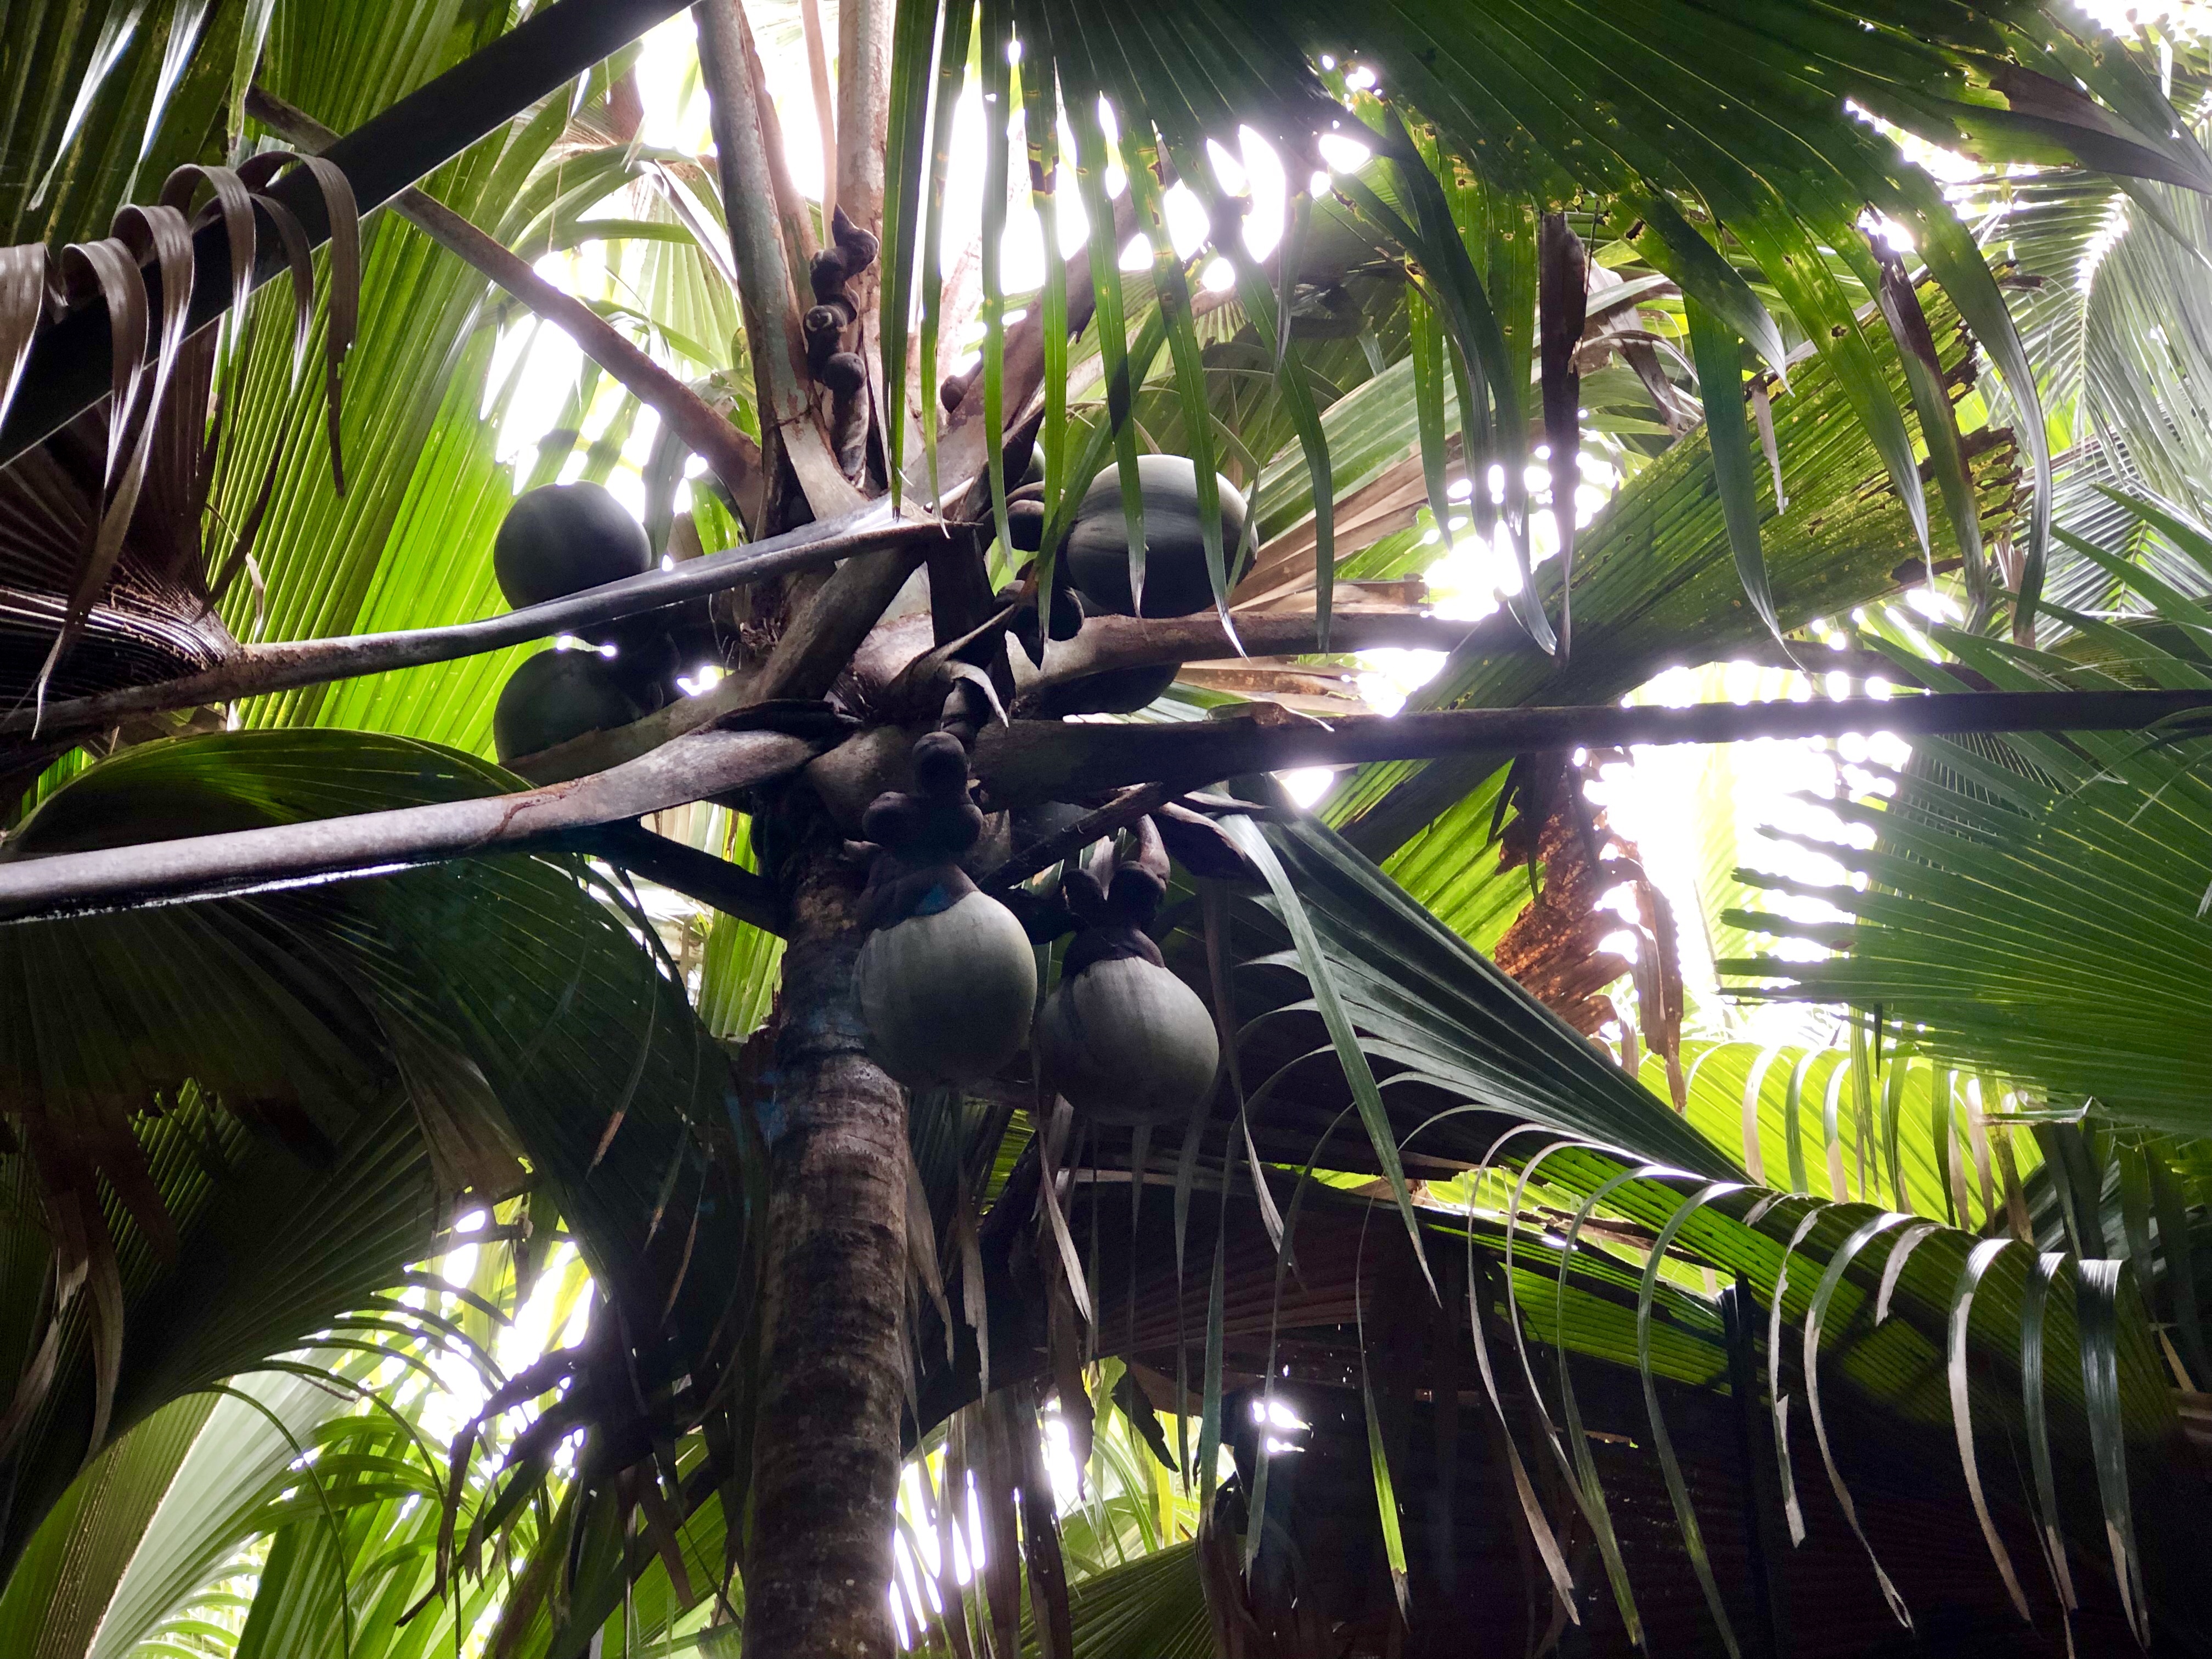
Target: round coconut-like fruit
x,y
556,696
1175,579
947,994
1124,1041
1121,1039
1115,691
947,977
560,539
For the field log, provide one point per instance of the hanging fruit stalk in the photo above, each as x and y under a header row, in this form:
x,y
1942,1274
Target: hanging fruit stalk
x,y
831,328
1122,1039
947,978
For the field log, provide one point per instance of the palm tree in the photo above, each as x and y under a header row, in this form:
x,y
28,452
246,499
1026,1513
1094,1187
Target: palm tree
x,y
322,1030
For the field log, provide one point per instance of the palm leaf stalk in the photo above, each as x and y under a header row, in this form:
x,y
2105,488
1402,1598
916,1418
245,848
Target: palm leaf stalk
x,y
259,670
1021,764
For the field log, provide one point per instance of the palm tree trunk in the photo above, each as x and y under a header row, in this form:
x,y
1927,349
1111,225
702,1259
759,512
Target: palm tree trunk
x,y
825,1463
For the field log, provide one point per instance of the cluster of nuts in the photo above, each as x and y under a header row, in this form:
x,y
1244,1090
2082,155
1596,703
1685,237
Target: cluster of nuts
x,y
831,331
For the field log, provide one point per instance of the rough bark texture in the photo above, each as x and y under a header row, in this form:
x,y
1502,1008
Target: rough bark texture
x,y
826,1460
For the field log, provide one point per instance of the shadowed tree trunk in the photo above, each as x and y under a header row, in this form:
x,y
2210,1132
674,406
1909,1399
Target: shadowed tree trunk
x,y
817,1560
826,1459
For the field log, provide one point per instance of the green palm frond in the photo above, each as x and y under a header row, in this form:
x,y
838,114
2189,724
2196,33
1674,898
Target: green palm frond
x,y
2034,909
1464,1057
108,96
59,1593
1540,108
1939,1143
304,1515
2105,279
1414,1162
1656,584
433,1024
1151,1607
198,1525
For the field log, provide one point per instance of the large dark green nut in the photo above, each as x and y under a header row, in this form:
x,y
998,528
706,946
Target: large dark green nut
x,y
1175,579
556,696
560,539
947,994
1115,691
1125,1042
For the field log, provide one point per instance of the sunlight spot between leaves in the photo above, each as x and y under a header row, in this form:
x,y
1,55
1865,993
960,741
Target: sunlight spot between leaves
x,y
673,105
1060,1463
1343,153
1389,677
1227,168
1883,228
1937,606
